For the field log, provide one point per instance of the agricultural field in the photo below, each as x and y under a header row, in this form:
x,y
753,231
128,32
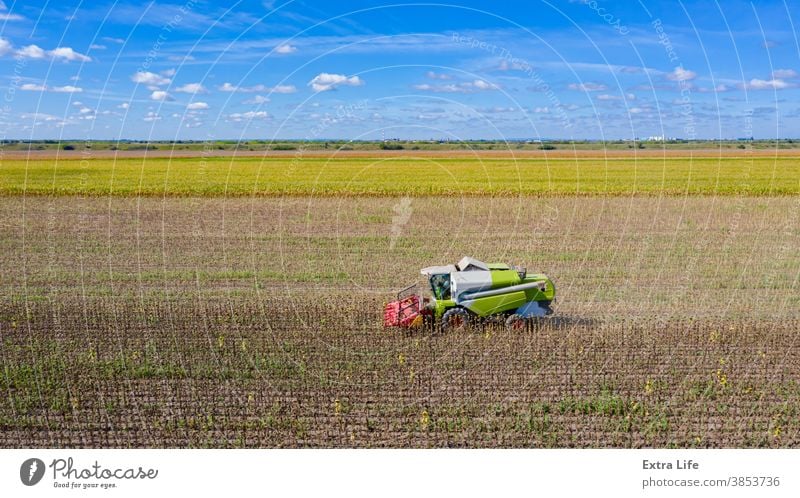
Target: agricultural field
x,y
236,320
399,175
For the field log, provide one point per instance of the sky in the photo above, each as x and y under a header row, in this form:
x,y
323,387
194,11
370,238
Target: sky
x,y
366,70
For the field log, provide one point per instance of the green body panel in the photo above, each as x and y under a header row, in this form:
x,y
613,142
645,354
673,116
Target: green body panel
x,y
486,306
498,266
442,305
504,278
536,295
502,303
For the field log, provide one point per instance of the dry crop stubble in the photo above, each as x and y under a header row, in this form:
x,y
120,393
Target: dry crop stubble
x,y
256,322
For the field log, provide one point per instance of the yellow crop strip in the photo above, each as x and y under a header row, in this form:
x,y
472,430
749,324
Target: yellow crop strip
x,y
244,176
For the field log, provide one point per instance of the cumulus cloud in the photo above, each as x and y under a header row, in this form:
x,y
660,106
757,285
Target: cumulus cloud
x,y
328,81
587,87
5,16
67,89
258,99
285,49
465,87
151,116
681,74
160,95
438,76
227,87
5,46
151,79
33,87
124,105
32,52
197,106
541,110
191,88
773,84
717,89
67,54
247,116
284,89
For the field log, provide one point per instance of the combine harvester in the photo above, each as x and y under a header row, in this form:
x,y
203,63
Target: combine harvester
x,y
472,293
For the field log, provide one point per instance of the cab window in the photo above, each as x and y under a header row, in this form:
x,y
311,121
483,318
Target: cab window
x,y
440,285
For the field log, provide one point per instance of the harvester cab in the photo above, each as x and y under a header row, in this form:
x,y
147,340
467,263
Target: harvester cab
x,y
473,292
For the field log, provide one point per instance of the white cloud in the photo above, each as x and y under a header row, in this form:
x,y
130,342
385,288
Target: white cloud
x,y
77,103
227,87
438,76
113,40
197,106
785,73
151,116
249,115
39,117
67,89
32,87
717,89
148,78
85,110
284,89
124,105
180,58
681,74
328,81
95,46
5,16
496,110
587,87
773,84
169,73
541,110
160,95
285,49
258,99
606,96
465,87
5,46
32,52
191,88
482,85
68,54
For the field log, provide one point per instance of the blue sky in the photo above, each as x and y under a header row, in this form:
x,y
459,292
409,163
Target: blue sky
x,y
366,69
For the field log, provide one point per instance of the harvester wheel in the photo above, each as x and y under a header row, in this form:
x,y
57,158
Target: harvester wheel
x,y
516,323
455,319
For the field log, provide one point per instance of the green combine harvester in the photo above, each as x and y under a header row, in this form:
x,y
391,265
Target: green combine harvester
x,y
472,292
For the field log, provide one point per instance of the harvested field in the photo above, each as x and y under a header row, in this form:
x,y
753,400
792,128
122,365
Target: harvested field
x,y
231,322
